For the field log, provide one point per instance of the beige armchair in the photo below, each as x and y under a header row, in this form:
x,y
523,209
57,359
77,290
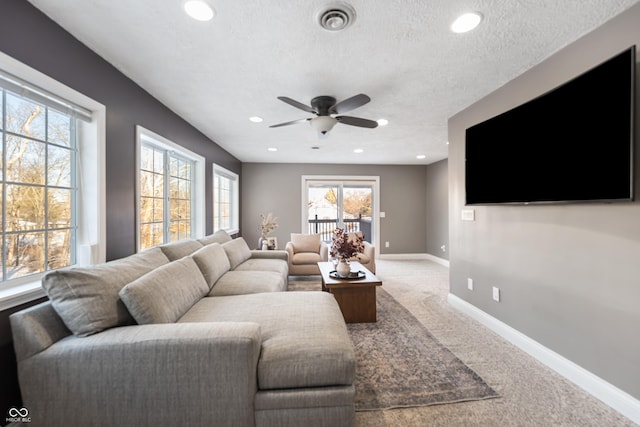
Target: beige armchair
x,y
305,250
368,257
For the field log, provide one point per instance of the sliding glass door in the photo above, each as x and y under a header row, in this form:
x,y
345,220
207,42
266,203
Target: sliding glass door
x,y
345,203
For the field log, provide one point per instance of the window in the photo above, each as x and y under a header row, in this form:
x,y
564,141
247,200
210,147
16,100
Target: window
x,y
167,186
225,200
38,184
51,180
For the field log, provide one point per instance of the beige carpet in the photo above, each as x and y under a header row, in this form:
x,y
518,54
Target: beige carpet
x,y
530,393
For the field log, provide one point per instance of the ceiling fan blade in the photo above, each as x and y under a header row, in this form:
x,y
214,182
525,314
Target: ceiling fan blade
x,y
349,104
293,122
357,121
297,104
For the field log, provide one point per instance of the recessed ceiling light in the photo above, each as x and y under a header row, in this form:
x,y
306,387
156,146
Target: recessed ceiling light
x,y
466,22
255,119
358,150
383,122
421,156
272,149
198,10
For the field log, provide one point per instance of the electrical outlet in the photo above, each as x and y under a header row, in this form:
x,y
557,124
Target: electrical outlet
x,y
470,284
386,244
443,248
496,294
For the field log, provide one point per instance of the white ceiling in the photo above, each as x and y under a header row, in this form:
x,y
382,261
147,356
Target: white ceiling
x,y
401,53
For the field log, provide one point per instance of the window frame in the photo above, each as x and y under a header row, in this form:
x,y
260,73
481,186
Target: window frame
x,y
91,198
218,170
146,136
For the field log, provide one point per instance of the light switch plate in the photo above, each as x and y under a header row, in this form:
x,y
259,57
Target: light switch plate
x,y
468,214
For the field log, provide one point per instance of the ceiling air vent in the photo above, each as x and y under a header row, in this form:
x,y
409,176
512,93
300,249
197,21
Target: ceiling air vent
x,y
336,17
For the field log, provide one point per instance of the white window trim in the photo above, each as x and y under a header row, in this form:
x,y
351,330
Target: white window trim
x,y
198,209
217,169
91,237
374,181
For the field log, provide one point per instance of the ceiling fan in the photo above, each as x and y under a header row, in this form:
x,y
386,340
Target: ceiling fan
x,y
324,106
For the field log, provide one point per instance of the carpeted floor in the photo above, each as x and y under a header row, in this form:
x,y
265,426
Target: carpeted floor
x,y
530,393
400,364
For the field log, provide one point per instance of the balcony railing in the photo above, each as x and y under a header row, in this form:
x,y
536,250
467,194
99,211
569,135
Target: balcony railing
x,y
326,227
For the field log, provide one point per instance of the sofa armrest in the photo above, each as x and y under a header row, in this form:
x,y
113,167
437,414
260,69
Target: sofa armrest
x,y
289,249
277,254
369,250
193,373
35,329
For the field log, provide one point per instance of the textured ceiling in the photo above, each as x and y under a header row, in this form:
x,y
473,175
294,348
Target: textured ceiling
x,y
401,53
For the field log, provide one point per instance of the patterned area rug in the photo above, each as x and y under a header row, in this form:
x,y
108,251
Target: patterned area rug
x,y
400,364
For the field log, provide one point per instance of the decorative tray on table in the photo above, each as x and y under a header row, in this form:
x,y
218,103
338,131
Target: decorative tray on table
x,y
352,275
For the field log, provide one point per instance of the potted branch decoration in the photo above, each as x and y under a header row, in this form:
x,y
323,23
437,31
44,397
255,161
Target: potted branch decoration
x,y
269,223
345,247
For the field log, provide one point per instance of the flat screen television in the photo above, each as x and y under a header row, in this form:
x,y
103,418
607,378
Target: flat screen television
x,y
571,144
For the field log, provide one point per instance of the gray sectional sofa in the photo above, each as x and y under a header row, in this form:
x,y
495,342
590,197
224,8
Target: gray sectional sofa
x,y
194,333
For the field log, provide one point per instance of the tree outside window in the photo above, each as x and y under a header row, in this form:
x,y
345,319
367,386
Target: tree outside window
x,y
39,192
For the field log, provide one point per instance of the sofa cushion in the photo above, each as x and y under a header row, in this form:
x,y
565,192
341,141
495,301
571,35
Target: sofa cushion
x,y
305,258
305,242
166,293
181,248
238,251
86,298
238,282
305,342
265,264
212,261
219,236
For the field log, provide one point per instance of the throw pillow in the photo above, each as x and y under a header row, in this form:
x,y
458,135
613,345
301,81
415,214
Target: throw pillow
x,y
238,251
219,236
181,248
166,293
213,262
86,299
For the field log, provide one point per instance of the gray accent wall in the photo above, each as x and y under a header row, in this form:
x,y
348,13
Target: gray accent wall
x,y
277,188
569,274
438,209
31,37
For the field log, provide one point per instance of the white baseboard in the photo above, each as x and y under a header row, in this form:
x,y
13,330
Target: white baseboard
x,y
438,260
429,257
619,400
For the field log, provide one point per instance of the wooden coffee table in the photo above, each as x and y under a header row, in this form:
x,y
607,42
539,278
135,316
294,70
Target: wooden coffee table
x,y
356,297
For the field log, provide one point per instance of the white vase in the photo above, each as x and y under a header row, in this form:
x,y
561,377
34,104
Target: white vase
x,y
343,269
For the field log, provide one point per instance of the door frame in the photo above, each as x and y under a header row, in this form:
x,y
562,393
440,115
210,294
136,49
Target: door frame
x,y
374,181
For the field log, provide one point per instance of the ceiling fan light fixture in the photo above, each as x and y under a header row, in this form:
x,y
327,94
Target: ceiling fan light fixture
x,y
323,124
336,17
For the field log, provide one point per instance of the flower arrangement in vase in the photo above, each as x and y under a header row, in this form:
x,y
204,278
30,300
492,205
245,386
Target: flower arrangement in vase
x,y
345,247
268,224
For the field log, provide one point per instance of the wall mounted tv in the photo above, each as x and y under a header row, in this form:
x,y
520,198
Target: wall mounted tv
x,y
574,143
